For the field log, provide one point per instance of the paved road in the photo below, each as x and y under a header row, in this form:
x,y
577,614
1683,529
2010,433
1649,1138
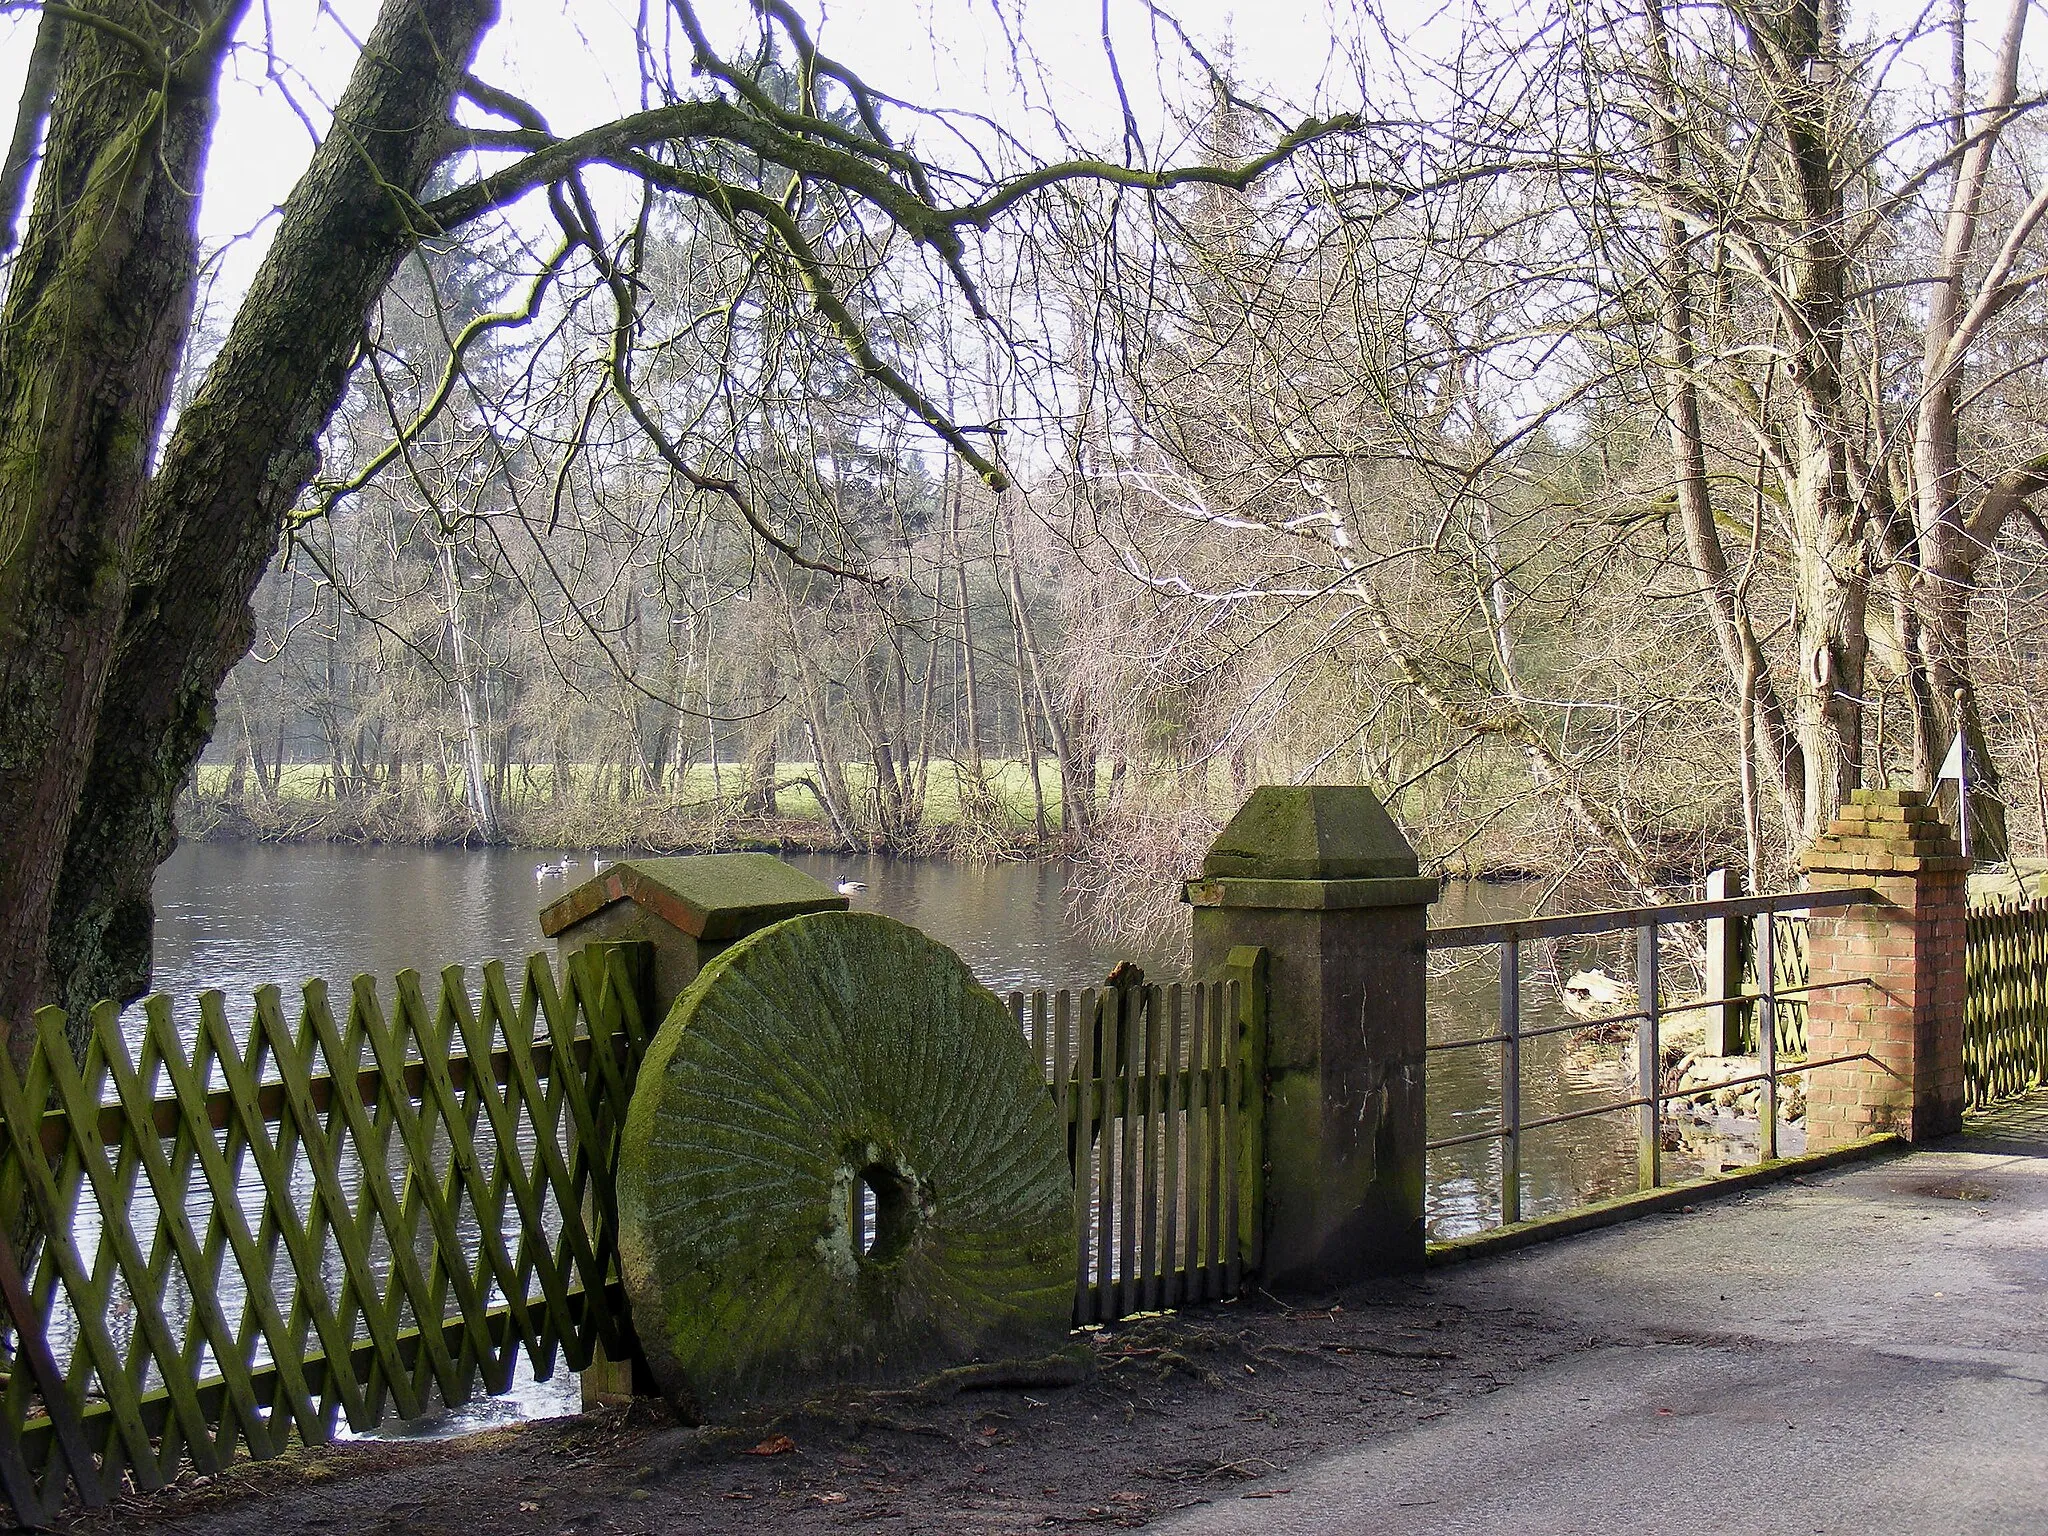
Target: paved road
x,y
1864,1351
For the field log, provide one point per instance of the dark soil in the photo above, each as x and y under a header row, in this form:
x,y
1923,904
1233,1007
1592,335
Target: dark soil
x,y
1181,1409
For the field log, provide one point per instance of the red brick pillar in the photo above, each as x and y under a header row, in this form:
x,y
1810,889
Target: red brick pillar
x,y
1910,943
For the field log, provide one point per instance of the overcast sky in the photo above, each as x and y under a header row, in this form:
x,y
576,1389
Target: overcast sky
x,y
574,59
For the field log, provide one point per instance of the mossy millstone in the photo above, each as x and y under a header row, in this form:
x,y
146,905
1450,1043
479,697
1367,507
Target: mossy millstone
x,y
829,1053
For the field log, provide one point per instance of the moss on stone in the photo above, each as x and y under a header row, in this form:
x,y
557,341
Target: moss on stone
x,y
822,1049
1311,832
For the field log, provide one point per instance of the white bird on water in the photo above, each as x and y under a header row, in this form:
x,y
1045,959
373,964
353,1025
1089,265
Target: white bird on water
x,y
851,887
543,871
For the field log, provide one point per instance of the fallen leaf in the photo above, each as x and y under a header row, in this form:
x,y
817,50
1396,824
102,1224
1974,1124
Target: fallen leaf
x,y
1270,1493
834,1497
774,1445
528,1507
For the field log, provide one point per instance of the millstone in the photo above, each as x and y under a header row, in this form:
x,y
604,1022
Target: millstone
x,y
831,1063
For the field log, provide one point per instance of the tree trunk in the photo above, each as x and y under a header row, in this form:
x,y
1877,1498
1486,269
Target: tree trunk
x,y
481,810
757,796
1727,615
968,691
97,308
1799,53
1072,816
241,454
1948,552
1028,739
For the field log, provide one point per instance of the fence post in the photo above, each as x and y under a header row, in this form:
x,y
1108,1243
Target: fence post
x,y
688,910
1320,878
1910,942
1251,969
1723,978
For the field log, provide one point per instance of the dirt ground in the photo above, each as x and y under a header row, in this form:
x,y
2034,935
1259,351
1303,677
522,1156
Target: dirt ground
x,y
1203,1406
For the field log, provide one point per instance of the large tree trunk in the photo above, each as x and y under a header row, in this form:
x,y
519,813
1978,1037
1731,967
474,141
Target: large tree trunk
x,y
96,313
1799,54
241,454
1948,549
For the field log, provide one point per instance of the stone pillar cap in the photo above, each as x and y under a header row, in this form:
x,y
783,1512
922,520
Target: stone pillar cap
x,y
1311,832
1886,831
707,895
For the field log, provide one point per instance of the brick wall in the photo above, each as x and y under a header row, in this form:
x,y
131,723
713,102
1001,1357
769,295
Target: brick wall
x,y
1909,1019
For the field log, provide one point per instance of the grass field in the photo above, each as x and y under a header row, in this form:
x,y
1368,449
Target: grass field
x,y
699,810
1008,782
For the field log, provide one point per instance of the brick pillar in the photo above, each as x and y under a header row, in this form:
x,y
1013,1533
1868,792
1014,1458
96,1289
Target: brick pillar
x,y
1322,880
1910,942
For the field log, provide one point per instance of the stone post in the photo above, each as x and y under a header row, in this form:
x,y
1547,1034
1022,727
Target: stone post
x,y
1321,878
688,910
1910,942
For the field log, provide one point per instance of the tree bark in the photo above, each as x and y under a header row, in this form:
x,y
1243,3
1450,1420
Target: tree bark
x,y
1948,550
1798,52
97,309
242,452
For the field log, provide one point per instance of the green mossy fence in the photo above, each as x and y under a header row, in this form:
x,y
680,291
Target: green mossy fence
x,y
2005,1023
220,1241
1162,1090
236,1241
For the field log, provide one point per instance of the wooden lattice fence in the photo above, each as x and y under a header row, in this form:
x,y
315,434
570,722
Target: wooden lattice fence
x,y
218,1241
235,1240
2005,1010
2005,1020
1788,970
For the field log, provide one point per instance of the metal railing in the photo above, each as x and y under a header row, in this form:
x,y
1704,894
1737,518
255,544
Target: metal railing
x,y
1651,1096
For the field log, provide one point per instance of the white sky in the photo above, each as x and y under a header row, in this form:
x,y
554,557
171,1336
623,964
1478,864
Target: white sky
x,y
575,60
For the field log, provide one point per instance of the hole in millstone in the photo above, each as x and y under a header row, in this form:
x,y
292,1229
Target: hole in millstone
x,y
888,1213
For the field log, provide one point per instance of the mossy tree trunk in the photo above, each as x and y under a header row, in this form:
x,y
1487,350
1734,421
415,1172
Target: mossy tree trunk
x,y
242,452
96,313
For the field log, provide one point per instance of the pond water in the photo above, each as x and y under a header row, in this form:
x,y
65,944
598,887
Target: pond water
x,y
237,915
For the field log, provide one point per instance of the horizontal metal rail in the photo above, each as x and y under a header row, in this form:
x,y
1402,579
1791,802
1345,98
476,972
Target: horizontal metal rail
x,y
1666,1013
1471,935
1648,1018
1495,1132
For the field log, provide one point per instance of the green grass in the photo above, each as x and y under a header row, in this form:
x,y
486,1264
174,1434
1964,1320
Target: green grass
x,y
947,786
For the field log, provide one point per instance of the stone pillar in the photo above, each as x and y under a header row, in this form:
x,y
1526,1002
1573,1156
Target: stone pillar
x,y
1910,943
1321,878
688,909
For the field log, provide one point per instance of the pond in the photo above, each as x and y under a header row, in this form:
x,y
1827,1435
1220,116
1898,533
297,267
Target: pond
x,y
237,915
